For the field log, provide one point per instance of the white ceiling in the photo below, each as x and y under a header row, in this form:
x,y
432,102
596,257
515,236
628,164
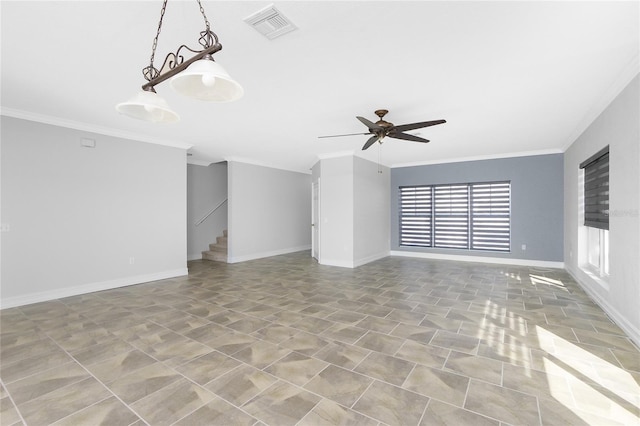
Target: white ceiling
x,y
510,78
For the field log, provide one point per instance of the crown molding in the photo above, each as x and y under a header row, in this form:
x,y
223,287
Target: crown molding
x,y
336,154
85,127
234,159
196,162
479,158
623,79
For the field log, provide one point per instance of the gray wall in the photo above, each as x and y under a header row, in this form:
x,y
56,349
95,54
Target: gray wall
x,y
206,189
87,219
269,211
618,126
536,201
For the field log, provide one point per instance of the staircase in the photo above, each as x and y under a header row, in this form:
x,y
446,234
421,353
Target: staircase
x,y
218,251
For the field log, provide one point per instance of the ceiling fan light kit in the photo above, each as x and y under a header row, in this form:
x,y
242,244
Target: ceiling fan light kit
x,y
381,129
198,77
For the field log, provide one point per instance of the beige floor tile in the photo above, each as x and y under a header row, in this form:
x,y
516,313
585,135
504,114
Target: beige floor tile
x,y
28,350
440,323
305,343
40,384
107,412
440,413
281,404
385,368
320,328
217,412
328,413
101,351
413,332
503,404
342,355
208,367
486,369
381,325
380,342
172,402
120,365
431,356
391,405
231,342
8,412
456,342
344,333
261,354
340,385
275,333
142,382
312,325
438,384
10,372
62,402
241,384
296,368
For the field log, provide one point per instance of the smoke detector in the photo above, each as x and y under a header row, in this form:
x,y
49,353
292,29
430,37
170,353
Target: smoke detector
x,y
270,22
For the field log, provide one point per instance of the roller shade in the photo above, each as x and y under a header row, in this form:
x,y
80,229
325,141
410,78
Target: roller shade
x,y
596,190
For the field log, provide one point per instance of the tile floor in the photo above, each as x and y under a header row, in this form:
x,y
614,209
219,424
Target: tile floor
x,y
285,341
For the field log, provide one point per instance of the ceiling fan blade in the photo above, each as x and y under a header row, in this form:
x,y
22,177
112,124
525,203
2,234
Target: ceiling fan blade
x,y
407,137
373,139
412,126
370,124
348,134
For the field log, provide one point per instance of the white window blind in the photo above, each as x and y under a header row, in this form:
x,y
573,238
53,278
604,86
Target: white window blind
x,y
451,216
416,211
473,216
491,216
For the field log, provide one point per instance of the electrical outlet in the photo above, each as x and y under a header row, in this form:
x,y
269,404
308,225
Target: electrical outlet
x,y
5,227
524,247
132,260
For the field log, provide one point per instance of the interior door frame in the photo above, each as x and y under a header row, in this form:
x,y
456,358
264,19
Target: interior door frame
x,y
315,219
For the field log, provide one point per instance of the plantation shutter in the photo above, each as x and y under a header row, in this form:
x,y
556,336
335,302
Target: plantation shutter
x,y
416,211
596,190
491,216
451,215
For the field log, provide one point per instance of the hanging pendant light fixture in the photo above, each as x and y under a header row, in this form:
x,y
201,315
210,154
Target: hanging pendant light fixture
x,y
199,77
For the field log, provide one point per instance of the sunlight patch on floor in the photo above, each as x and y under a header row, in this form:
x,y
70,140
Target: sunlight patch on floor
x,y
539,279
606,391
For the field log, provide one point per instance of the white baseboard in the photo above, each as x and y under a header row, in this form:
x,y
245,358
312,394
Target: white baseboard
x,y
620,320
338,263
354,263
196,256
261,255
44,296
480,259
368,259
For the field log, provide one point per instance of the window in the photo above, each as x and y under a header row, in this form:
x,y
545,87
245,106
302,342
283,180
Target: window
x,y
595,184
472,216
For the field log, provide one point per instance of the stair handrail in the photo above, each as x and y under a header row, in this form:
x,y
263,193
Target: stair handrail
x,y
211,212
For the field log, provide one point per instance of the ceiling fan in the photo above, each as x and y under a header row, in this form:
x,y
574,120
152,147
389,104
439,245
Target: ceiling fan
x,y
381,129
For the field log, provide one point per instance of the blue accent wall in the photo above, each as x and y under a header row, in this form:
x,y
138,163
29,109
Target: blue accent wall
x,y
537,199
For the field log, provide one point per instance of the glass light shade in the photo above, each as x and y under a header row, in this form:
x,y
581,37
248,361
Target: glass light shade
x,y
148,106
208,81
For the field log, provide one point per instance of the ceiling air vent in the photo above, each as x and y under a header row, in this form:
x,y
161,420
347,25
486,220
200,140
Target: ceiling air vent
x,y
270,22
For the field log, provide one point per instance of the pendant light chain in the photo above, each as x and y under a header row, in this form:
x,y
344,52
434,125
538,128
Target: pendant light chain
x,y
151,72
204,15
